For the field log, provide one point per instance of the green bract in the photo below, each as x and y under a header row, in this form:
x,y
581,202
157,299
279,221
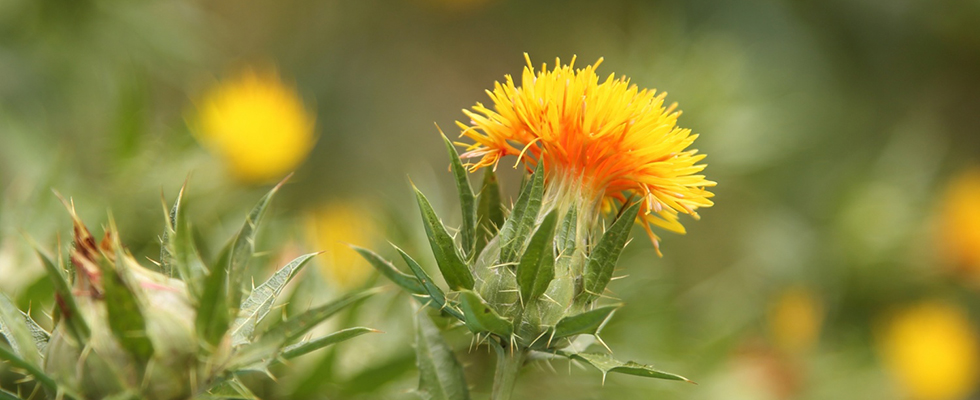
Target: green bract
x,y
530,282
123,331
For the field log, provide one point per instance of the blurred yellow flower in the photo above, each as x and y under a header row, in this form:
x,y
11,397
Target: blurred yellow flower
x,y
931,349
795,319
604,142
256,125
959,230
331,228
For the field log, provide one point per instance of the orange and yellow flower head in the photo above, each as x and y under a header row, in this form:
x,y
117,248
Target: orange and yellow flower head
x,y
605,141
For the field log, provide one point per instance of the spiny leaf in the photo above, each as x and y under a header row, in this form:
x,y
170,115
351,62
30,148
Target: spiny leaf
x,y
606,364
480,317
410,283
213,315
565,238
452,266
523,217
125,315
31,369
490,213
440,374
467,201
64,298
270,344
230,389
602,260
588,322
40,336
180,251
244,245
437,296
299,349
259,302
537,266
13,328
5,395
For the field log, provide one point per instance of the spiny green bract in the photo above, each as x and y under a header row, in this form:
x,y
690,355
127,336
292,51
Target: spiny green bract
x,y
529,282
123,331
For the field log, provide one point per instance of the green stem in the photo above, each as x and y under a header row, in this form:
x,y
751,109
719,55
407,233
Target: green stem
x,y
509,363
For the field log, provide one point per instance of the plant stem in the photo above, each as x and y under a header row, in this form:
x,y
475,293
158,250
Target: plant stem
x,y
509,363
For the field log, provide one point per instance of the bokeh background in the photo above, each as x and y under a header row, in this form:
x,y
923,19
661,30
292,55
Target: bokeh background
x,y
841,260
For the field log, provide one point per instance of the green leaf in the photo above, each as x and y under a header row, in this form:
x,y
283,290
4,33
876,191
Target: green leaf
x,y
605,254
230,389
565,238
452,266
14,328
125,315
244,246
64,298
480,317
270,344
490,213
30,369
213,312
259,302
179,252
606,364
587,323
5,395
40,336
299,349
522,219
408,282
537,266
467,201
440,374
437,296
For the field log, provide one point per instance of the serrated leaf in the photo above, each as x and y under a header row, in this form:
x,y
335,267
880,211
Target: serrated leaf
x,y
522,218
480,317
213,317
605,254
14,329
587,323
452,266
467,201
440,374
408,282
490,212
299,349
40,336
64,298
244,246
271,343
260,301
565,238
606,364
8,355
537,266
436,294
125,316
180,251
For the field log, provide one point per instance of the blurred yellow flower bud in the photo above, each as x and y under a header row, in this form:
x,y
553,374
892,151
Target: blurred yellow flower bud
x,y
333,226
931,349
959,224
795,318
256,125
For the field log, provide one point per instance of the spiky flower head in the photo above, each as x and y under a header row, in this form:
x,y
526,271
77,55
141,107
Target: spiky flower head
x,y
601,142
256,124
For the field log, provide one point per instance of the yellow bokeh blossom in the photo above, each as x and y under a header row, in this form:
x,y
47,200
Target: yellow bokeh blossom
x,y
608,142
256,125
931,349
795,319
331,228
959,220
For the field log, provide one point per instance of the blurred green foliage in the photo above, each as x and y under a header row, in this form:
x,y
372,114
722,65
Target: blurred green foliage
x,y
832,128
